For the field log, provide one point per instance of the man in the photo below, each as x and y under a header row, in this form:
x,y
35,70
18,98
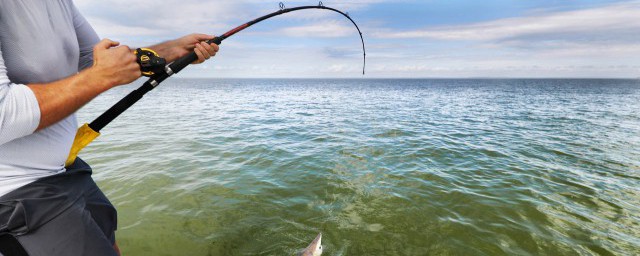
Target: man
x,y
51,64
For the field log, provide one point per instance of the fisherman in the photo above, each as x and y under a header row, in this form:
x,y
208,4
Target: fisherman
x,y
51,64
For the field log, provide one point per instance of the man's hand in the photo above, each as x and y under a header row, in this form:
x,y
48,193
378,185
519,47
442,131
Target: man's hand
x,y
114,64
175,49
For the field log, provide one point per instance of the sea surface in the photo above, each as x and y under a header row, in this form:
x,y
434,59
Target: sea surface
x,y
380,167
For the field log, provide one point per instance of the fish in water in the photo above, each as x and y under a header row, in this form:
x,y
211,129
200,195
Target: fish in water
x,y
314,249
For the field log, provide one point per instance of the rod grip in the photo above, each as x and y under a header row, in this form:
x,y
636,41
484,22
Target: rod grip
x,y
116,110
184,61
217,40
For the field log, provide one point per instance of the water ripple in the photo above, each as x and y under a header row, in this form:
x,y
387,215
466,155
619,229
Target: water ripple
x,y
380,167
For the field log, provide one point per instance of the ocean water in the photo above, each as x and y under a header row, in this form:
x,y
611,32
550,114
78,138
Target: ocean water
x,y
380,167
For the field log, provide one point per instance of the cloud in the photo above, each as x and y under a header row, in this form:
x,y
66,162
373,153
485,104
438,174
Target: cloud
x,y
111,29
122,18
152,21
600,41
342,52
595,23
327,28
594,42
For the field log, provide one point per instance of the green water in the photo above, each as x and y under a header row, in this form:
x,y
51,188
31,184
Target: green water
x,y
380,167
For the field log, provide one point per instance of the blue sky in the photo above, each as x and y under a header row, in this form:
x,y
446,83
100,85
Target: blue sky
x,y
405,39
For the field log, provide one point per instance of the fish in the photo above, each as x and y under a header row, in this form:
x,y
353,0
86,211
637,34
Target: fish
x,y
314,249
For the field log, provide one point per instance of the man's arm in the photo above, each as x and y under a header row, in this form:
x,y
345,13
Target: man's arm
x,y
174,49
24,109
87,38
112,66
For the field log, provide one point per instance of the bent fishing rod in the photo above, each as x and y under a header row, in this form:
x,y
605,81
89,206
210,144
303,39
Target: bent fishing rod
x,y
156,68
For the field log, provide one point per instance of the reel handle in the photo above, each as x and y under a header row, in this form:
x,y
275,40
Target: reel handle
x,y
150,62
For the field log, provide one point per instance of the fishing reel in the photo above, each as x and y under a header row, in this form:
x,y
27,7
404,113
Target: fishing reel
x,y
150,62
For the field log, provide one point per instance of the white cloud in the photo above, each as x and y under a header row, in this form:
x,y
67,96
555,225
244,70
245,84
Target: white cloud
x,y
581,43
327,28
595,42
588,23
152,21
111,29
167,18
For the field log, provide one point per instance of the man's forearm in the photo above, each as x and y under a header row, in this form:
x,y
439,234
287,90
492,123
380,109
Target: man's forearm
x,y
61,98
112,65
174,49
166,50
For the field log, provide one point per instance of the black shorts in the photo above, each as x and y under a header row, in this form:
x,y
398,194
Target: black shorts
x,y
63,214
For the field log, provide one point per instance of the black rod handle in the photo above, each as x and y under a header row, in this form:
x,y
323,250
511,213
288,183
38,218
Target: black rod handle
x,y
184,61
119,108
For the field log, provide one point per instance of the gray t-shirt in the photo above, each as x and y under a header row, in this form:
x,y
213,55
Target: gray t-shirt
x,y
41,41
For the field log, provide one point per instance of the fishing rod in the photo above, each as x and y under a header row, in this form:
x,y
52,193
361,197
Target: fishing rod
x,y
155,67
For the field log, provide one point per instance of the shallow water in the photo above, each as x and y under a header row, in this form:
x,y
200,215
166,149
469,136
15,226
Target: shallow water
x,y
380,167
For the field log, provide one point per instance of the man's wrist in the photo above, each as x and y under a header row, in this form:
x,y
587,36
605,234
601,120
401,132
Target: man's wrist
x,y
97,78
166,50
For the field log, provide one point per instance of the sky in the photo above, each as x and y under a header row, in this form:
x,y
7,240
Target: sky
x,y
404,39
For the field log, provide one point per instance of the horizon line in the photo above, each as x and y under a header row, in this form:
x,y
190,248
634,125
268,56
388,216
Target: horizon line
x,y
419,78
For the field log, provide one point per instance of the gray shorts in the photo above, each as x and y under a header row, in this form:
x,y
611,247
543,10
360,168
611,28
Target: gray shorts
x,y
63,214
